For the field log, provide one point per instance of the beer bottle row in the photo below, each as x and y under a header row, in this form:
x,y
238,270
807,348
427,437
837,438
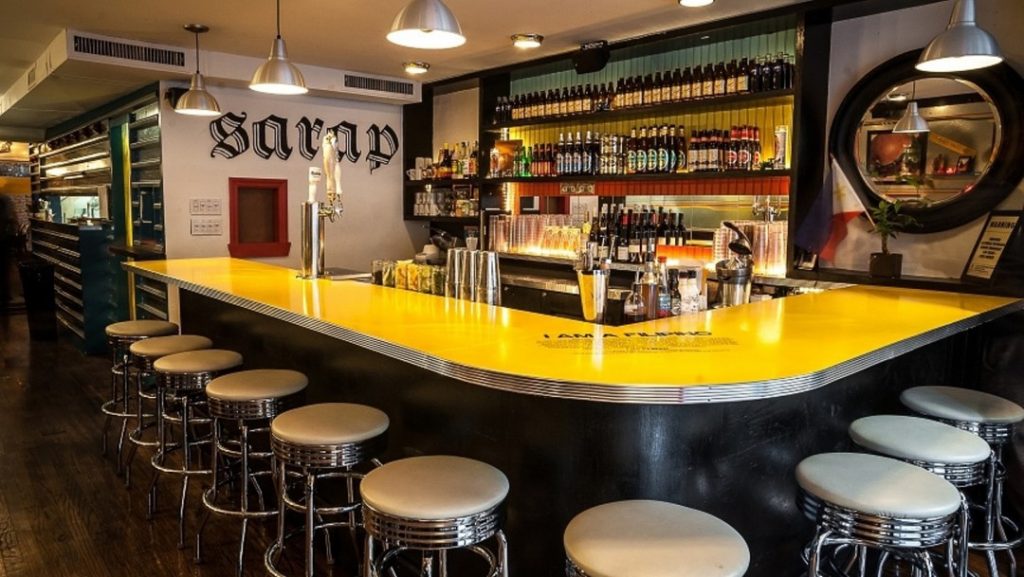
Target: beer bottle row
x,y
691,83
660,149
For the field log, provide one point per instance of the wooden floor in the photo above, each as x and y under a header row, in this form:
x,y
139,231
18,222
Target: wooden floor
x,y
63,510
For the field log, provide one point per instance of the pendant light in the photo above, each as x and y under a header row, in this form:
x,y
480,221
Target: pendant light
x,y
911,122
961,46
197,101
426,24
278,75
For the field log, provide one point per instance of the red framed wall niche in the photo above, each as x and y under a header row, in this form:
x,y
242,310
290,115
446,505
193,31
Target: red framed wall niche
x,y
259,217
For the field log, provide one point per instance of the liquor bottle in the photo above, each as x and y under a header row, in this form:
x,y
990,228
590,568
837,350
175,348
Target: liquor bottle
x,y
681,156
732,151
600,98
622,243
641,151
778,72
696,159
601,228
720,80
662,146
560,155
766,73
647,96
707,88
633,309
620,92
662,230
595,153
474,160
631,152
577,154
743,77
563,102
586,157
588,99
676,87
653,146
654,90
686,87
673,157
664,290
755,156
754,75
731,77
634,238
528,161
715,148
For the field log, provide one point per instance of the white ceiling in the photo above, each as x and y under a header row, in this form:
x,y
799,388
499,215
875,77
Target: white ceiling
x,y
345,34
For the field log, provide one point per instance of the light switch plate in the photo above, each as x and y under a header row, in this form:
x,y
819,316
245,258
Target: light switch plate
x,y
204,206
207,226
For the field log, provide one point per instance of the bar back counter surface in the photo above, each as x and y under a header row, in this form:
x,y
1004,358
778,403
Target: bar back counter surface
x,y
710,410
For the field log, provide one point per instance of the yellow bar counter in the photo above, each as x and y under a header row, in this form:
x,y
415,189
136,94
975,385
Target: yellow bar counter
x,y
755,351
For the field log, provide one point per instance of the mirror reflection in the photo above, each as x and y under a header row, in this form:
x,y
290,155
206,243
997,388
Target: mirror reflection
x,y
943,163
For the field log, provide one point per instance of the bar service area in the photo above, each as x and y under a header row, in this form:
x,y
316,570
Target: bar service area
x,y
687,288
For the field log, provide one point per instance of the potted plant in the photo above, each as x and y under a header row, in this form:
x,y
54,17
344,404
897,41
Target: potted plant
x,y
889,222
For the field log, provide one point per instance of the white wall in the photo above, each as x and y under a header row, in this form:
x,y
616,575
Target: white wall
x,y
861,44
372,225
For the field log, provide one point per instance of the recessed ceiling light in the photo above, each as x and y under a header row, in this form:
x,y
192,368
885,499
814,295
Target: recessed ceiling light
x,y
527,40
705,37
896,96
696,3
416,67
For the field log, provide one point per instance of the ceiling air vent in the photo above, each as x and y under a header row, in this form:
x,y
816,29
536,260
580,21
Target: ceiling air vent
x,y
126,50
379,85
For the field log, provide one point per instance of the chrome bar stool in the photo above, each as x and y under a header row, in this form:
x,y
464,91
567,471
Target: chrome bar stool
x,y
993,419
312,444
432,505
250,399
143,354
652,539
181,379
870,502
120,336
955,455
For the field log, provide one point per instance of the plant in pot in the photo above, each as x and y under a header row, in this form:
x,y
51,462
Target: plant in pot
x,y
889,222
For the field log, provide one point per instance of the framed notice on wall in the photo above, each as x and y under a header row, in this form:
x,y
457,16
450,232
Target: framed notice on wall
x,y
998,232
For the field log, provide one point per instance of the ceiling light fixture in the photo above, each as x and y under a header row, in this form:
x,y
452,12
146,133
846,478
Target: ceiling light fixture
x,y
527,40
197,101
278,75
426,24
696,3
961,46
911,122
896,96
416,67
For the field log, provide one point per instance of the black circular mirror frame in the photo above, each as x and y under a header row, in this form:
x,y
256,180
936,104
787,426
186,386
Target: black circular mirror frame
x,y
1003,86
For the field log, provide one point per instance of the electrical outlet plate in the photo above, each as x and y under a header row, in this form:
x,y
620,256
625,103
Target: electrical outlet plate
x,y
207,226
204,206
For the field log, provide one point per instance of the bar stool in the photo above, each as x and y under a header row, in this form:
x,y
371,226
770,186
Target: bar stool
x,y
652,539
250,399
992,418
955,455
878,503
120,336
142,356
314,443
181,379
432,505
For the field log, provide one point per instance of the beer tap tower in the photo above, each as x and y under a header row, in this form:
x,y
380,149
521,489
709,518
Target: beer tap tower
x,y
314,212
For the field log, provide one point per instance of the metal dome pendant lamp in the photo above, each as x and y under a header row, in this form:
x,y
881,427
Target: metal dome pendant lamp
x,y
197,101
278,75
963,45
911,122
426,24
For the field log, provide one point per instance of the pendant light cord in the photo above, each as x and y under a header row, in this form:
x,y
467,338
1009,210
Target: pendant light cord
x,y
197,52
278,18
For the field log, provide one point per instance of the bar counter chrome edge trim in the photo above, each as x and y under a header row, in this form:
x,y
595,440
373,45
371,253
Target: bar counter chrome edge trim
x,y
625,393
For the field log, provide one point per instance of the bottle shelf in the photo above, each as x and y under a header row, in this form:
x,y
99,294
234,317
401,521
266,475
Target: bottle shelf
x,y
750,100
451,219
720,175
442,182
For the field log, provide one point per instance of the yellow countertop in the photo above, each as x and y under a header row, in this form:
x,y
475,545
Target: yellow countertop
x,y
753,351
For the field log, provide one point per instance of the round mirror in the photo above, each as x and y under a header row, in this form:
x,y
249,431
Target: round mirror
x,y
948,146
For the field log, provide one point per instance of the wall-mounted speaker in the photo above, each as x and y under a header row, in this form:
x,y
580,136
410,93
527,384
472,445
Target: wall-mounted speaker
x,y
593,56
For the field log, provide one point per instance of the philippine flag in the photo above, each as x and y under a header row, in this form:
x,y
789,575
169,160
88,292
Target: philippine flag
x,y
846,206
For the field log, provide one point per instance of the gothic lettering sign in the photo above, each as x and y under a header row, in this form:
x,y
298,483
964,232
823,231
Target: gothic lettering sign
x,y
234,135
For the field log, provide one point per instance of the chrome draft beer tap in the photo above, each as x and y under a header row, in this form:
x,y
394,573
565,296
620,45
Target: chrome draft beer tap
x,y
314,212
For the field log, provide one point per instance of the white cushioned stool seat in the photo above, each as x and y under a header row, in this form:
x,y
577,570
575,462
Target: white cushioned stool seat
x,y
434,487
964,405
145,328
329,424
207,361
654,539
163,346
877,486
917,439
256,384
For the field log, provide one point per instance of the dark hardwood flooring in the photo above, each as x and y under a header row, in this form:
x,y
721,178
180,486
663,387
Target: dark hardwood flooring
x,y
63,509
